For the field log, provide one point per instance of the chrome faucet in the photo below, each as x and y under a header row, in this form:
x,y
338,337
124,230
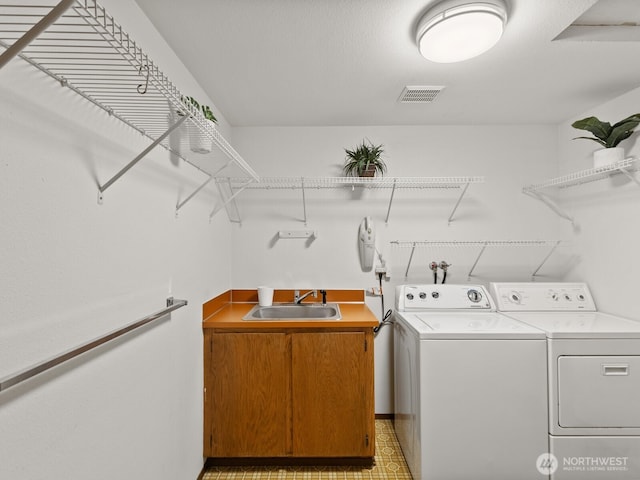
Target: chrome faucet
x,y
297,298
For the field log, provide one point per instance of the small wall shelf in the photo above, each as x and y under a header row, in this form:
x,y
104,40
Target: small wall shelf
x,y
231,187
624,167
482,245
80,45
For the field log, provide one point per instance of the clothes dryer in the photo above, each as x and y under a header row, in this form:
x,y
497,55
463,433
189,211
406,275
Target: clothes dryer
x,y
593,365
470,397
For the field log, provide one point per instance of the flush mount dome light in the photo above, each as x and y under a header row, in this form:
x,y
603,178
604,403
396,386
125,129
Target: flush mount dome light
x,y
456,30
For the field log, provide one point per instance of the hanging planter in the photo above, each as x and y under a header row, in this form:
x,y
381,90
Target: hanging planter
x,y
609,136
199,141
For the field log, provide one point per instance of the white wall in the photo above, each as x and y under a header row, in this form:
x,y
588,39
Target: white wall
x,y
508,156
607,234
73,270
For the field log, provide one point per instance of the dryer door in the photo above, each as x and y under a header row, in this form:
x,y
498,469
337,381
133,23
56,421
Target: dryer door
x,y
599,391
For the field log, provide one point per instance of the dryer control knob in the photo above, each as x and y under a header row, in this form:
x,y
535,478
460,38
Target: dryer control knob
x,y
410,296
474,295
435,294
422,295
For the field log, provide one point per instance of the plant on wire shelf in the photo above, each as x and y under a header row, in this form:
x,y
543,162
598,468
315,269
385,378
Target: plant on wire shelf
x,y
607,135
364,161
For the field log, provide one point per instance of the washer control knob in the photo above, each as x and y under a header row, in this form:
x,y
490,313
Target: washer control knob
x,y
410,296
581,297
554,296
567,297
474,295
514,297
435,294
422,295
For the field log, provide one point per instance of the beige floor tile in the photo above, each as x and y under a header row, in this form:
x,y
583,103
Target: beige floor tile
x,y
389,464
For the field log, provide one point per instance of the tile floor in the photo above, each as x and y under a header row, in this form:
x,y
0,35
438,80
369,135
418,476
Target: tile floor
x,y
389,464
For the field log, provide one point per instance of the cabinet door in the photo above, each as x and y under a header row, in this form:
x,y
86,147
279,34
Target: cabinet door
x,y
332,389
246,403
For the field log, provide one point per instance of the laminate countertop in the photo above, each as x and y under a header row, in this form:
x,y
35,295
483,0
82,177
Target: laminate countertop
x,y
354,315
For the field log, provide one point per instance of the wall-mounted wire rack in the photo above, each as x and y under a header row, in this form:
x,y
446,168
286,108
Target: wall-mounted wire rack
x,y
482,245
80,45
231,187
625,167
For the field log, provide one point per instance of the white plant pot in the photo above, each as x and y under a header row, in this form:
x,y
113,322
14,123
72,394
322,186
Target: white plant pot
x,y
199,142
607,156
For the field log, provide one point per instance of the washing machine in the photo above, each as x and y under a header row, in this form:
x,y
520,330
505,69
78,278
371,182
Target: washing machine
x,y
593,367
470,386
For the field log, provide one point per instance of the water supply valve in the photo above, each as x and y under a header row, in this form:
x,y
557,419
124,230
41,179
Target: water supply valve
x,y
433,266
444,266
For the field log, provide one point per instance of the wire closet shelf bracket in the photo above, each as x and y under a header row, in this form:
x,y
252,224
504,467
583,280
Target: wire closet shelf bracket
x,y
80,45
539,191
482,245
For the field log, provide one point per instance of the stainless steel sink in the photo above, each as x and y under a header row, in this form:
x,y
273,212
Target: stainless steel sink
x,y
315,312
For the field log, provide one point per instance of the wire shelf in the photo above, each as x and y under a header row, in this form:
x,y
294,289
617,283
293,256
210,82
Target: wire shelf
x,y
625,167
230,187
585,176
87,51
476,243
267,183
482,245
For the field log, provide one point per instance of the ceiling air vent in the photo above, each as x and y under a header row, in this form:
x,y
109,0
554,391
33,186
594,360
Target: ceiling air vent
x,y
424,94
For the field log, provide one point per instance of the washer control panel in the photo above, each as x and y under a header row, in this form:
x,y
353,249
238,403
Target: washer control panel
x,y
542,297
442,297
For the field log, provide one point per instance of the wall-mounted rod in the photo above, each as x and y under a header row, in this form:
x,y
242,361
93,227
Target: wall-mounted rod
x,y
34,370
297,234
29,36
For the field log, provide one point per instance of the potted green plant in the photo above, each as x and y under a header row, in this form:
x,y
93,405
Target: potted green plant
x,y
364,161
198,141
608,136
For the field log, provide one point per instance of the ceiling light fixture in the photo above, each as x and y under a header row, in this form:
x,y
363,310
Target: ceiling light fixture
x,y
456,30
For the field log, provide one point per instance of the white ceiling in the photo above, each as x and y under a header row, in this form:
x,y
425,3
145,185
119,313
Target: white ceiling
x,y
346,62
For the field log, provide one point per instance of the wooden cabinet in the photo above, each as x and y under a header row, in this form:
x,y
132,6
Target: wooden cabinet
x,y
246,404
289,393
332,394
